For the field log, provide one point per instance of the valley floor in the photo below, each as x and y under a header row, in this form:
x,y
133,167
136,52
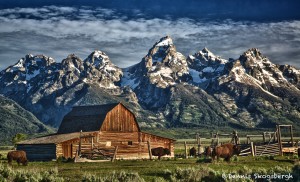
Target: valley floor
x,y
168,169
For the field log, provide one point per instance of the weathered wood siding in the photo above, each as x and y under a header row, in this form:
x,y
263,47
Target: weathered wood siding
x,y
132,145
157,141
120,119
40,152
69,148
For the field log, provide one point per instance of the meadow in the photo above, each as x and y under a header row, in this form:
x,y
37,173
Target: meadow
x,y
176,169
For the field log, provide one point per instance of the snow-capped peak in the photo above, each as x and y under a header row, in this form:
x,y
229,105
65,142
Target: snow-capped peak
x,y
254,58
97,58
165,66
208,55
165,41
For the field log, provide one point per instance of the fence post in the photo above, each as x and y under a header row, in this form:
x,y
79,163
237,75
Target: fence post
x,y
185,149
252,150
279,139
292,139
79,147
115,154
149,149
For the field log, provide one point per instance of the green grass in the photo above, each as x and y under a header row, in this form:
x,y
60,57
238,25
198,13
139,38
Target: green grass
x,y
150,170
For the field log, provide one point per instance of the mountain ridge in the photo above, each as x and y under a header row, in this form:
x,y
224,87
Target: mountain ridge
x,y
14,119
164,89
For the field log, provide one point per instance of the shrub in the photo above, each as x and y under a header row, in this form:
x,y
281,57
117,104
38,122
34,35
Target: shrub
x,y
121,176
260,171
193,174
159,179
204,160
63,159
296,172
90,178
244,170
235,158
21,175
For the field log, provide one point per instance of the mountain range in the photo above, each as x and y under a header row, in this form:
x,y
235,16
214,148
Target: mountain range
x,y
165,89
14,119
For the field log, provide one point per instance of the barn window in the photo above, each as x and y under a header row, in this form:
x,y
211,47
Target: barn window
x,y
108,144
129,142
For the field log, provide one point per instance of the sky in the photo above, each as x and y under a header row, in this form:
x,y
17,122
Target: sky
x,y
126,30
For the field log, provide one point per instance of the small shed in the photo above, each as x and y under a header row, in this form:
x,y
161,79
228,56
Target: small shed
x,y
103,127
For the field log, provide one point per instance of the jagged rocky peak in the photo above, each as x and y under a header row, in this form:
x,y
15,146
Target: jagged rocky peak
x,y
261,68
97,59
205,66
99,69
205,58
164,65
160,52
254,58
291,73
27,68
72,64
30,61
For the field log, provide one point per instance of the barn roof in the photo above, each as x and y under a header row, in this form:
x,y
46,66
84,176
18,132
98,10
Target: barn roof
x,y
85,118
57,138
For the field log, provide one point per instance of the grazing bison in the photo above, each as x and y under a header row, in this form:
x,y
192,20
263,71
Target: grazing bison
x,y
208,151
226,151
193,151
18,155
160,151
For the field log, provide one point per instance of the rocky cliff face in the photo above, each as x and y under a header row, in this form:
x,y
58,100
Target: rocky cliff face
x,y
204,67
152,78
164,89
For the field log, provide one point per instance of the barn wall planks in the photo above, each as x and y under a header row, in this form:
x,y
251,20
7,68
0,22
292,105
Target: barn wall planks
x,y
133,144
41,152
120,119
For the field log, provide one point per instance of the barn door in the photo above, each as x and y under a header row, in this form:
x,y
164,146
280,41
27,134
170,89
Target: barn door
x,y
67,150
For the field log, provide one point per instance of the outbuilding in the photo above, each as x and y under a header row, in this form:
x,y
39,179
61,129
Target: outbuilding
x,y
100,127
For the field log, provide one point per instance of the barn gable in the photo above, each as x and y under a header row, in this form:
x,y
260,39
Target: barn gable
x,y
108,117
120,119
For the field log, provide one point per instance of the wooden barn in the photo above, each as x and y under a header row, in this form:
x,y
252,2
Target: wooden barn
x,y
100,127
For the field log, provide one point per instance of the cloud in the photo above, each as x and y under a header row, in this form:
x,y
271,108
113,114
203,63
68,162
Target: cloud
x,y
59,31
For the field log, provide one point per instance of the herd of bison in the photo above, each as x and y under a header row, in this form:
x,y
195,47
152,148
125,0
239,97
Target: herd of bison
x,y
225,151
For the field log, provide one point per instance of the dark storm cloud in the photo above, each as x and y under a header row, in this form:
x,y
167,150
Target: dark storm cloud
x,y
59,31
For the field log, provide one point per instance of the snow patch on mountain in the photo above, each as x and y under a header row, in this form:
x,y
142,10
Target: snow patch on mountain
x,y
29,76
196,76
208,70
128,79
166,41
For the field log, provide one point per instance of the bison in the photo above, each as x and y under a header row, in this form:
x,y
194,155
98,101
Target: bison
x,y
18,155
193,151
208,151
160,151
226,151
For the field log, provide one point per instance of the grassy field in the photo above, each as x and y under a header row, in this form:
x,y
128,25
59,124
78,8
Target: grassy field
x,y
163,170
153,170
